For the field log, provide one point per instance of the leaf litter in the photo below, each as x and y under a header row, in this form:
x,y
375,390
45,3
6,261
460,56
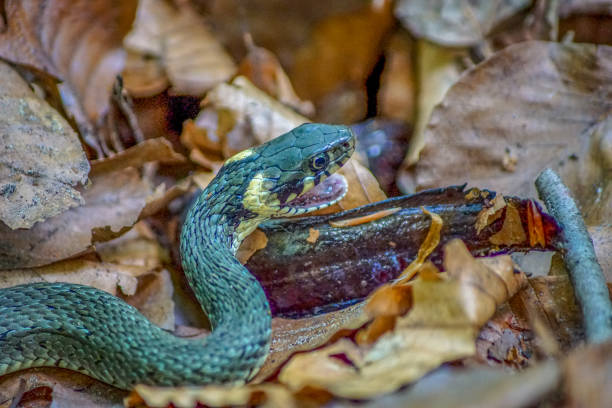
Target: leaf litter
x,y
406,329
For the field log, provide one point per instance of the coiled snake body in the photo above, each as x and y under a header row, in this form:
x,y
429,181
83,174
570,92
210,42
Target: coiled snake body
x,y
90,331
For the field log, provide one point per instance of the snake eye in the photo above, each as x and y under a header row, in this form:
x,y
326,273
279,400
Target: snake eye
x,y
319,162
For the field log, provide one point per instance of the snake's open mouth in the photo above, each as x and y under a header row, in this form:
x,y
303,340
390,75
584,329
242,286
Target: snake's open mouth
x,y
328,192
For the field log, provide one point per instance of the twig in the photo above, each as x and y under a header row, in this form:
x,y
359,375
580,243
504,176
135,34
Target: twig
x,y
584,270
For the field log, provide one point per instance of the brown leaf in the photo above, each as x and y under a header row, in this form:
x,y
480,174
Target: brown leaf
x,y
56,387
158,150
144,76
154,299
588,376
341,48
397,94
76,41
41,158
264,70
212,395
255,241
113,202
455,23
506,104
440,326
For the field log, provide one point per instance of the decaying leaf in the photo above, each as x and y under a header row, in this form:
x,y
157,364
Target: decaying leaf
x,y
455,23
78,42
41,158
192,57
441,326
113,202
541,101
255,241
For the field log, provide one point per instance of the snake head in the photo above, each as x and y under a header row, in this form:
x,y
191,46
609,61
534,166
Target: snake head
x,y
295,170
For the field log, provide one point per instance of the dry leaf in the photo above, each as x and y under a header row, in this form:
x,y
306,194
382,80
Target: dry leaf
x,y
114,202
255,241
154,299
455,23
397,94
252,109
78,42
104,276
313,235
56,387
438,70
266,395
264,70
341,48
512,231
588,376
192,57
41,158
541,100
159,150
144,76
440,326
138,247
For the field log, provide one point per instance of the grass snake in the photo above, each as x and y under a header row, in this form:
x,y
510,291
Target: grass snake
x,y
85,329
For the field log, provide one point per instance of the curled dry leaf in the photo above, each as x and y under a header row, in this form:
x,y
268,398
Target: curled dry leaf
x,y
41,158
441,326
192,57
455,23
543,102
158,149
252,111
78,42
264,70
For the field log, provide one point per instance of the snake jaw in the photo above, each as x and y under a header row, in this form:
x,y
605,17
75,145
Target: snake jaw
x,y
326,193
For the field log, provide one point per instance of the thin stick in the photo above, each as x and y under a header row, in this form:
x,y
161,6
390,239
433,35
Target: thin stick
x,y
584,270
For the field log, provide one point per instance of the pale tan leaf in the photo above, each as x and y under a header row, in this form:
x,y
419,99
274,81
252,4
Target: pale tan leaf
x,y
41,157
104,276
193,58
437,69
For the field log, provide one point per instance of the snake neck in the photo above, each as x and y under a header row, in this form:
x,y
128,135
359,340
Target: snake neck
x,y
227,291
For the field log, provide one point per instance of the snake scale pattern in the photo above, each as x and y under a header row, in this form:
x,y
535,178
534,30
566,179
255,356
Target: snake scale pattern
x,y
85,329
